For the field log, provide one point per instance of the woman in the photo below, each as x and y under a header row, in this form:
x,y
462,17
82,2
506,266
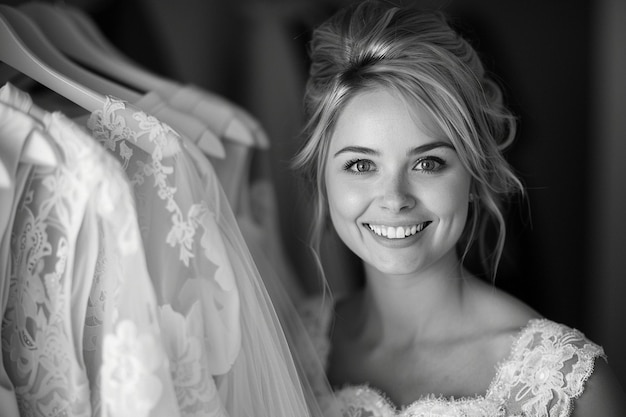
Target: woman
x,y
404,146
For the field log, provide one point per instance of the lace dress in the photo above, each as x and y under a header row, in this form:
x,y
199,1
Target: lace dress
x,y
80,324
131,291
221,331
15,129
545,371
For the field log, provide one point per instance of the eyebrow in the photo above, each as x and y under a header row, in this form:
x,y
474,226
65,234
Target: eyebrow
x,y
415,151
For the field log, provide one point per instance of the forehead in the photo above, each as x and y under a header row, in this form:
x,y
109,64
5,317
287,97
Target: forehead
x,y
381,117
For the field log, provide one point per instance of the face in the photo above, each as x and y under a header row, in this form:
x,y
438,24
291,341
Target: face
x,y
397,191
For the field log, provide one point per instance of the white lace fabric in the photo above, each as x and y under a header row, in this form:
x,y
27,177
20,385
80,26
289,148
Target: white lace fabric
x,y
222,336
130,289
546,370
77,279
15,129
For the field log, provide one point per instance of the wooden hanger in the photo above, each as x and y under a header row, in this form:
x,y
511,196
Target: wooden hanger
x,y
25,48
66,23
14,52
71,41
38,42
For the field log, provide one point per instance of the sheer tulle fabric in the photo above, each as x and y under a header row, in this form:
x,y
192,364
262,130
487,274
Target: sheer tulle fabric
x,y
202,270
252,203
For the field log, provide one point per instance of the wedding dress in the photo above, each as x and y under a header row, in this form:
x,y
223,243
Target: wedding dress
x,y
79,332
140,300
254,207
15,129
202,269
545,371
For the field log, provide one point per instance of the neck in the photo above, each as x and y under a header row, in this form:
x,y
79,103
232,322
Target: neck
x,y
402,309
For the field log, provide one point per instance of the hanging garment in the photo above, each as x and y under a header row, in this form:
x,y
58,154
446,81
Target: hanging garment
x,y
222,302
256,217
256,214
15,129
80,334
228,120
184,123
199,260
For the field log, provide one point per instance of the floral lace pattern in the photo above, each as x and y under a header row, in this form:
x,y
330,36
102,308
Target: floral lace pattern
x,y
96,327
195,388
43,320
546,370
198,300
131,359
111,129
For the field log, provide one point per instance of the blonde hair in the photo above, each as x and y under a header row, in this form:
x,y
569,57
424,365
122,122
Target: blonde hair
x,y
416,54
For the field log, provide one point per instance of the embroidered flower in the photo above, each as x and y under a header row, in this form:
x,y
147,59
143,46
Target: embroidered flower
x,y
57,406
125,151
194,385
130,360
546,371
541,369
117,123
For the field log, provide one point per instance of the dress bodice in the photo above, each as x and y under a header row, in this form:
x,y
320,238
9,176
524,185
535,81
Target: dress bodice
x,y
546,369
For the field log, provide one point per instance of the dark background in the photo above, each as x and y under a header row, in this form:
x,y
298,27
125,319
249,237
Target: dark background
x,y
561,64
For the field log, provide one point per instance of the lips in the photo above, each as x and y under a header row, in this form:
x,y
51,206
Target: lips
x,y
397,232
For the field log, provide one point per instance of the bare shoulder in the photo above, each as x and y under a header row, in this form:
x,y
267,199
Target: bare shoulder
x,y
603,394
499,309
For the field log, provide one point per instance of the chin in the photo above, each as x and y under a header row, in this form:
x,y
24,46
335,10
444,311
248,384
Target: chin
x,y
396,269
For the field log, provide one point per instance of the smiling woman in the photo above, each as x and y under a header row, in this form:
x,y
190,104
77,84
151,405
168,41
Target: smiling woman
x,y
404,151
388,177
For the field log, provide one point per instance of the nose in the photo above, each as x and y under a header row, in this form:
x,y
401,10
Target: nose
x,y
396,194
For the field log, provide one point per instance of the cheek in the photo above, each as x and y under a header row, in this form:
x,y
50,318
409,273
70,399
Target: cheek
x,y
452,202
346,201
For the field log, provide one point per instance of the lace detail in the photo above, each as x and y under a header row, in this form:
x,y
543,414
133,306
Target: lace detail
x,y
111,129
208,289
131,359
89,312
364,401
195,388
195,285
546,370
43,320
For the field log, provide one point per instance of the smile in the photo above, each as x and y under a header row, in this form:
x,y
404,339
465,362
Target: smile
x,y
399,232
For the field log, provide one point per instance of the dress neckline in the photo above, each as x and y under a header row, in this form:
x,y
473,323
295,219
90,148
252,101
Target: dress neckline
x,y
433,399
546,368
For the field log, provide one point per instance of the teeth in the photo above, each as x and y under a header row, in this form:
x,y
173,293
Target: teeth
x,y
397,232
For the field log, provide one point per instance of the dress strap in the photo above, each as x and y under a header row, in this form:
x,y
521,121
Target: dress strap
x,y
546,371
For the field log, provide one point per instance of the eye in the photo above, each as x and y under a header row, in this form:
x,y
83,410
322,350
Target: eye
x,y
429,164
359,166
